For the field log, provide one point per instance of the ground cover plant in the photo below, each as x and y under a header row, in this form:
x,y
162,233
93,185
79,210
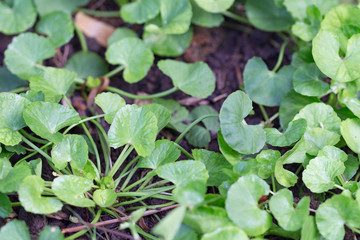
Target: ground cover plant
x,y
277,159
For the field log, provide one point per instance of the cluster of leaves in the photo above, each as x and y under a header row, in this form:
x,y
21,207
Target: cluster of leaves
x,y
319,137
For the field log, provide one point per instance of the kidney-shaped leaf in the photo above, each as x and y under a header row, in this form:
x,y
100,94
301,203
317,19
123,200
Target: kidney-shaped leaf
x,y
215,6
266,161
140,11
71,189
195,79
264,86
163,114
72,149
57,26
190,194
134,125
15,230
242,205
104,197
350,130
183,172
25,51
320,173
266,16
165,152
228,233
243,138
134,55
308,81
87,64
294,132
289,218
46,119
326,48
175,18
18,18
110,103
30,197
53,82
336,212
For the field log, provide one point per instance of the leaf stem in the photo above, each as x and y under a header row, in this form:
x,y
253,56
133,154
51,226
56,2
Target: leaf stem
x,y
189,127
127,180
264,113
273,183
114,72
32,154
281,57
82,121
80,233
186,153
104,14
236,17
339,187
32,138
19,90
44,154
123,155
82,39
123,173
134,96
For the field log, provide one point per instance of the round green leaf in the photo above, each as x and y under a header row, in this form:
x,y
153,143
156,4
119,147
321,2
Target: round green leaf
x,y
336,212
11,110
326,49
15,230
195,79
228,233
214,163
9,137
211,124
190,194
291,104
51,233
294,132
171,224
87,64
53,82
121,33
267,87
182,172
165,152
168,45
10,81
5,206
104,197
242,205
45,7
110,103
134,55
136,126
266,161
317,138
215,6
30,197
298,8
25,51
205,219
204,18
320,173
350,130
11,178
198,136
71,189
308,81
163,115
57,26
266,16
72,149
175,18
140,11
17,18
320,115
289,218
307,29
243,138
46,119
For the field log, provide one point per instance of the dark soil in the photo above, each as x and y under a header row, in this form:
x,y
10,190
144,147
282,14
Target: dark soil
x,y
225,50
